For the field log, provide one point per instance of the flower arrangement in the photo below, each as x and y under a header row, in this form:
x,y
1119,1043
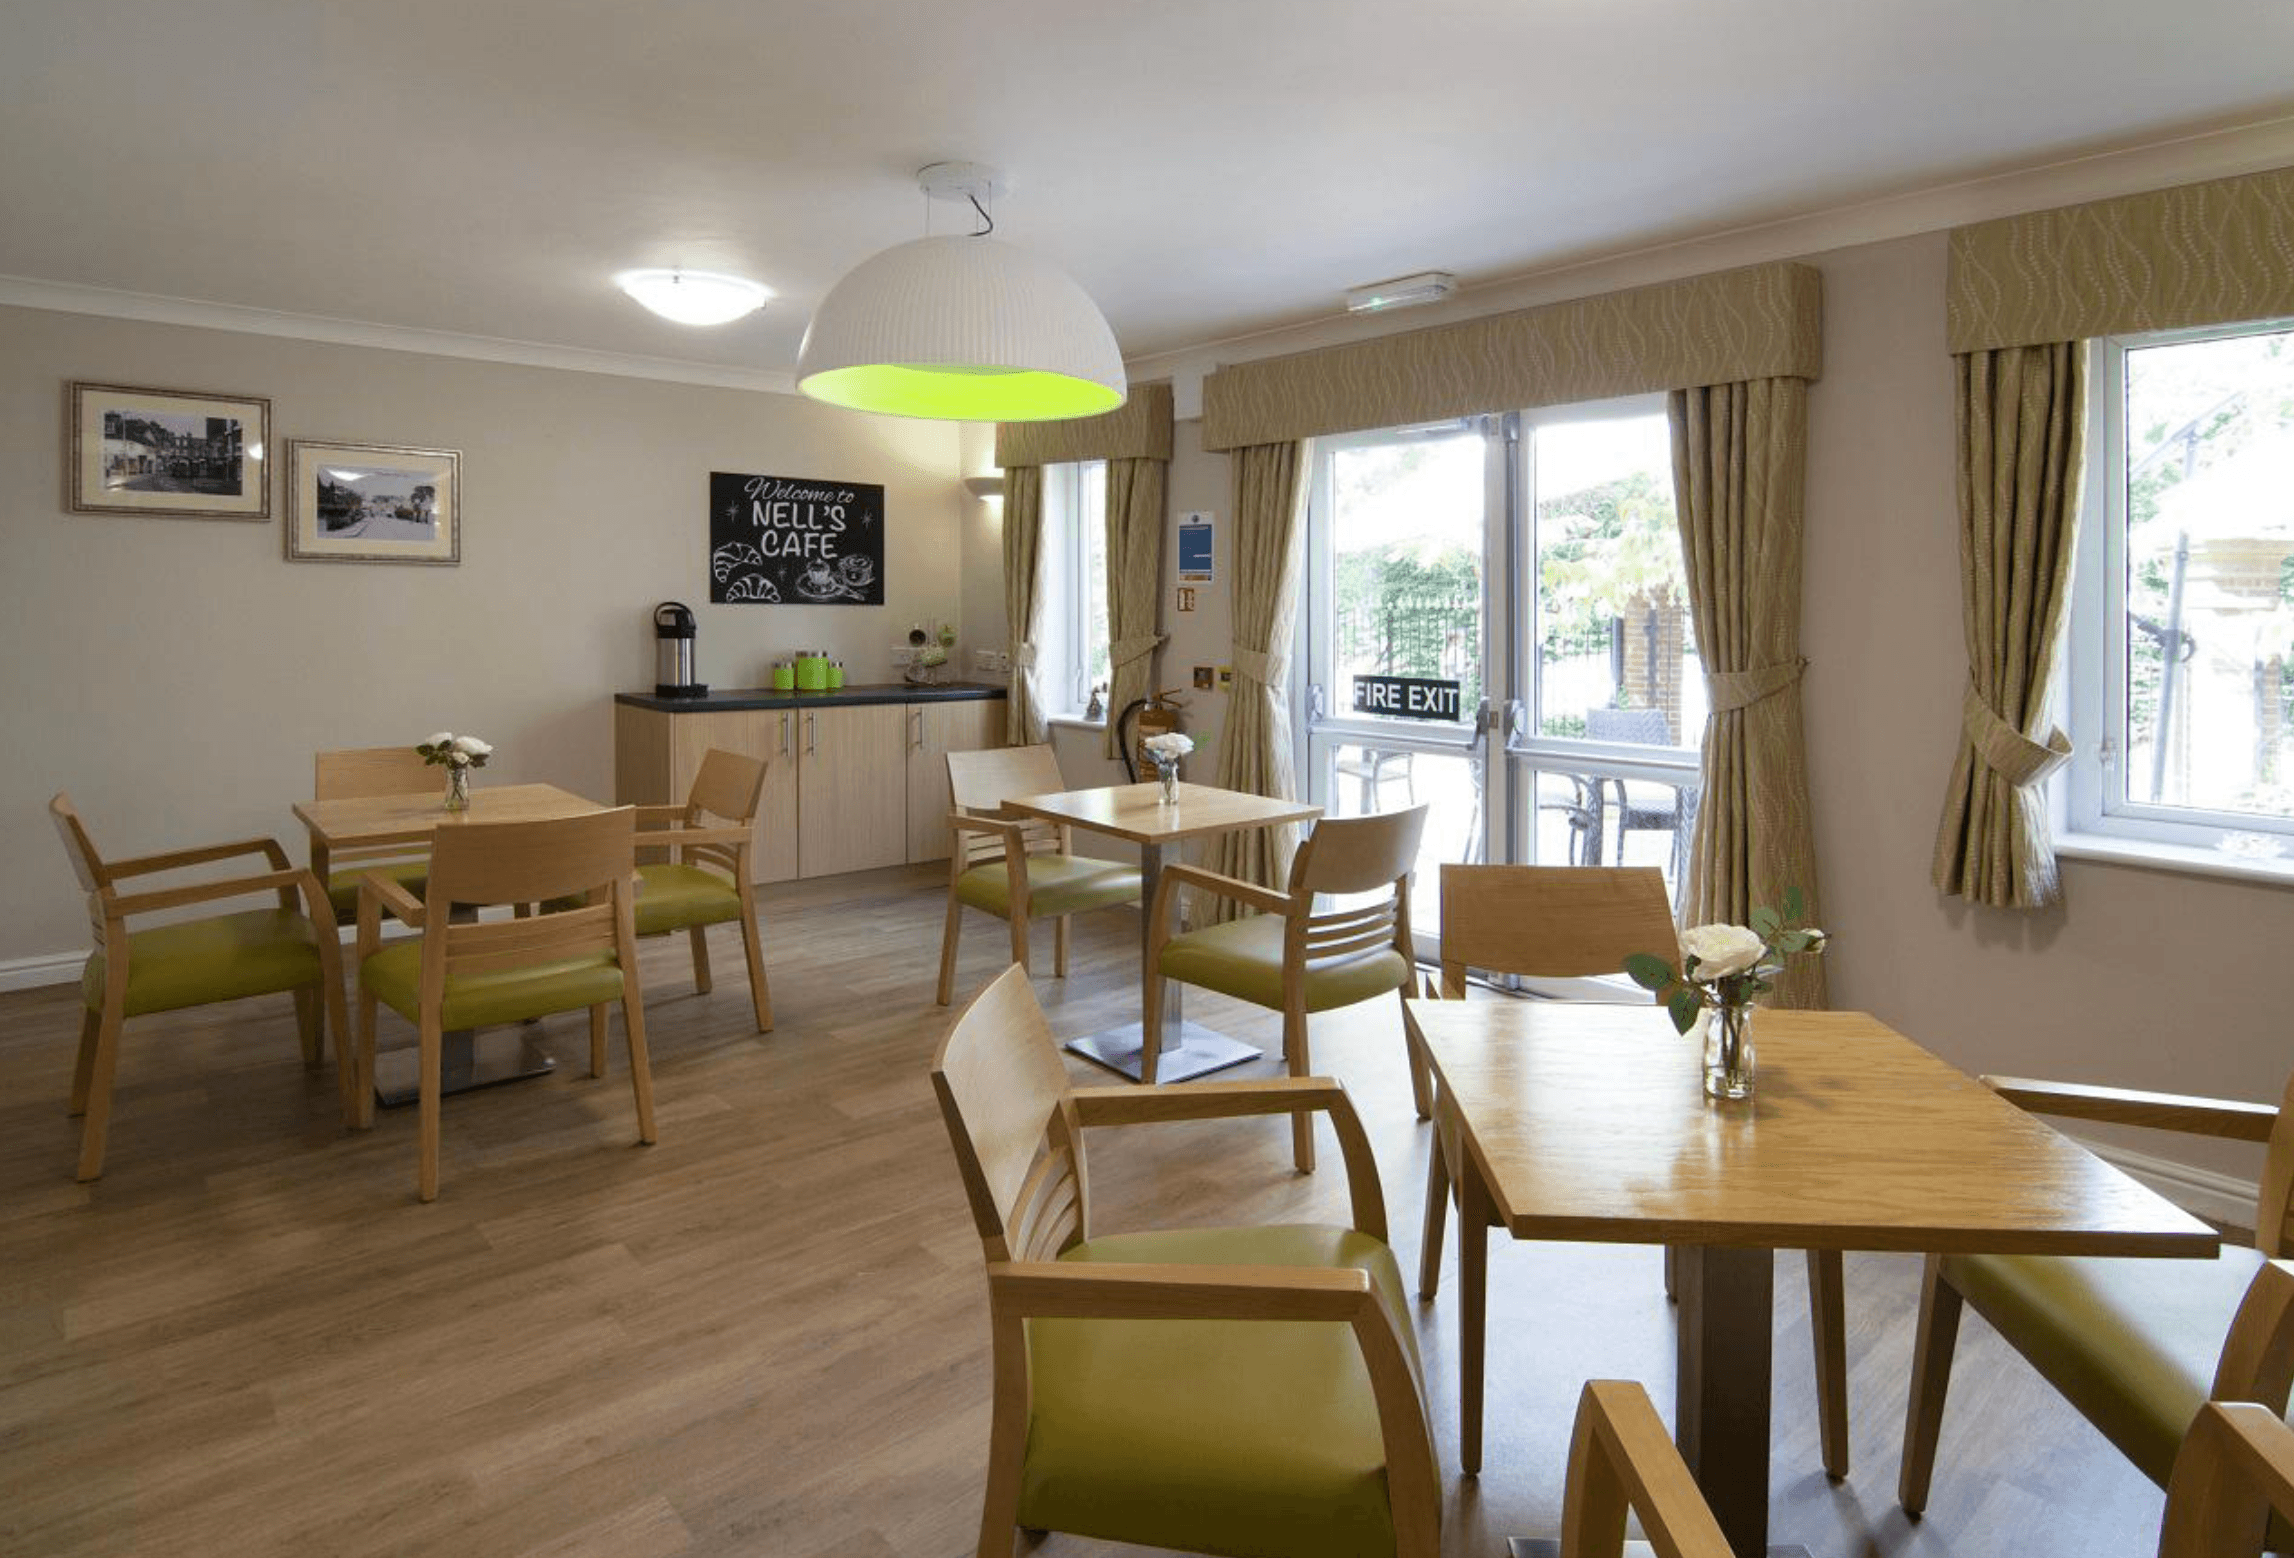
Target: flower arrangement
x,y
452,751
1165,750
1727,965
457,755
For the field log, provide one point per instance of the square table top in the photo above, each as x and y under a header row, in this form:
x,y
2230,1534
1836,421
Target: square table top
x,y
1589,1122
397,819
1136,811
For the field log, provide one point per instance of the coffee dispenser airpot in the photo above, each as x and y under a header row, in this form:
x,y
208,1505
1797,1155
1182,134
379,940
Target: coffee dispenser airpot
x,y
673,633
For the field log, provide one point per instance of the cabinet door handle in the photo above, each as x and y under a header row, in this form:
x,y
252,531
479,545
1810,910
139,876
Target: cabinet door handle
x,y
811,734
784,735
918,716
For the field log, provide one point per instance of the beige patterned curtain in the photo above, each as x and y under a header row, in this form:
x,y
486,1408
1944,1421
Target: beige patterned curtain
x,y
1740,455
2022,418
1134,581
1023,601
1255,749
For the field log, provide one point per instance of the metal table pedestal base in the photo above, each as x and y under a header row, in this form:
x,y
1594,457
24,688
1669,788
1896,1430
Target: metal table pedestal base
x,y
467,1062
1199,1052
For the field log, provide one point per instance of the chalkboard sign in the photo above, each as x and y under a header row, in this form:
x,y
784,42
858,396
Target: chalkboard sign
x,y
794,541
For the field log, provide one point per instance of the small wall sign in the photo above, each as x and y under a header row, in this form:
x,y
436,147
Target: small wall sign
x,y
795,541
1195,565
1406,697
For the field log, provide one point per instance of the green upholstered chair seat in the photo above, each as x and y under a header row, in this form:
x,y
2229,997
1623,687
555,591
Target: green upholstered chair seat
x,y
1243,958
672,897
1057,885
1234,1437
220,958
2131,1343
480,1000
342,886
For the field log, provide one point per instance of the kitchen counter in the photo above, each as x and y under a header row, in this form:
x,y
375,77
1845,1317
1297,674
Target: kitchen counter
x,y
849,696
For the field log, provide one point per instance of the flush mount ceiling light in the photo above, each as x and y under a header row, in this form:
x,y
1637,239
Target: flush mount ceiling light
x,y
961,329
1428,286
694,297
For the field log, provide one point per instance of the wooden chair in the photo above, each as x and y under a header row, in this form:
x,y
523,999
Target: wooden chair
x,y
192,962
707,880
351,772
1018,870
1290,958
2136,1345
1581,922
1277,1405
2232,1471
475,975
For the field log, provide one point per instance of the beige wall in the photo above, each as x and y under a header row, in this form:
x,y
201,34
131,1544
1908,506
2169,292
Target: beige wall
x,y
176,675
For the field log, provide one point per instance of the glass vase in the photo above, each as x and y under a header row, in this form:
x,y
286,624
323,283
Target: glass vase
x,y
1729,1063
457,787
1168,774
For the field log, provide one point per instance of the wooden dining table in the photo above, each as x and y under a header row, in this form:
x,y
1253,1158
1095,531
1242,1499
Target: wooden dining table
x,y
471,1060
1587,1122
1136,812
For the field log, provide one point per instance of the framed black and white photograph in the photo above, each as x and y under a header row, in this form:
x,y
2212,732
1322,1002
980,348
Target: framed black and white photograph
x,y
373,503
177,453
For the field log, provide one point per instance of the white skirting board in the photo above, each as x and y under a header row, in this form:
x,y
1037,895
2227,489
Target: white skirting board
x,y
51,968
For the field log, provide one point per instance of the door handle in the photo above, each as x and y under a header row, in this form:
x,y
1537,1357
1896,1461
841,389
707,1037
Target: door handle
x,y
811,734
918,716
784,735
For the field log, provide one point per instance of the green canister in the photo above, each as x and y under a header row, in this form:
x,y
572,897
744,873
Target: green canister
x,y
835,675
784,676
812,671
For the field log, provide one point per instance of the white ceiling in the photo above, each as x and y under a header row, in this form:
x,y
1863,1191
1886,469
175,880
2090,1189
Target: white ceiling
x,y
1206,168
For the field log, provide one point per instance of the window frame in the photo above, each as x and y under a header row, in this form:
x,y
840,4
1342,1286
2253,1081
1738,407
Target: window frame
x,y
2092,814
1072,570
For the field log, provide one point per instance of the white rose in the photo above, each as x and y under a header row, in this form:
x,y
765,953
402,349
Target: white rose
x,y
471,746
444,738
1172,743
1720,950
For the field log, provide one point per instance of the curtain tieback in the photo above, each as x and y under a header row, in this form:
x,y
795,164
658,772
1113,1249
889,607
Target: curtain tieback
x,y
2006,751
1023,655
1267,669
1727,690
1125,650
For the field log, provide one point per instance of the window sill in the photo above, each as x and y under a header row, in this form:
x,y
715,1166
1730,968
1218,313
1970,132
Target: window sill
x,y
1073,722
2274,871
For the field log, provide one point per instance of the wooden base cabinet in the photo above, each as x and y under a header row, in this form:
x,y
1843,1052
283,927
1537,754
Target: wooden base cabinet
x,y
934,731
848,787
655,756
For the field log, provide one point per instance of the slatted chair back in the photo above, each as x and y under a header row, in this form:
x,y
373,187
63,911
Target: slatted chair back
x,y
2274,1208
347,773
590,858
1346,857
1551,922
87,865
980,782
730,787
1013,1125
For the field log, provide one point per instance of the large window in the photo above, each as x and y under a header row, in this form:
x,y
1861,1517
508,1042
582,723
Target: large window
x,y
1073,656
2183,606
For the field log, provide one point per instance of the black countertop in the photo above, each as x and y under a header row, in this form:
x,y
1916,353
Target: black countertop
x,y
848,696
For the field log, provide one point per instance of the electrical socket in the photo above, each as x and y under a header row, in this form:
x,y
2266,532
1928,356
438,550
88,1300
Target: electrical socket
x,y
903,657
989,662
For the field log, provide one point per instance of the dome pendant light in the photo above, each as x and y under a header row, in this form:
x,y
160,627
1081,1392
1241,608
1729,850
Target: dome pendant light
x,y
961,329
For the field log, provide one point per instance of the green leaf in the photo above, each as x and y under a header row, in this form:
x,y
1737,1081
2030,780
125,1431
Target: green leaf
x,y
1792,941
1765,924
1795,906
1649,971
1683,1007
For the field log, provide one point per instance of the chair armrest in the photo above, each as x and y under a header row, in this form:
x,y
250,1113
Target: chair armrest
x,y
1621,1458
1231,1100
2257,1362
1257,897
2235,1467
2229,1118
392,896
293,879
143,865
973,822
1078,1290
668,814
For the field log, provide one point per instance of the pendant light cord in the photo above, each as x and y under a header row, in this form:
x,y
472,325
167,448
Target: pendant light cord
x,y
983,210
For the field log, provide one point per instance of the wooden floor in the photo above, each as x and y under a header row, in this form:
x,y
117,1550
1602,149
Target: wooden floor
x,y
765,1335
